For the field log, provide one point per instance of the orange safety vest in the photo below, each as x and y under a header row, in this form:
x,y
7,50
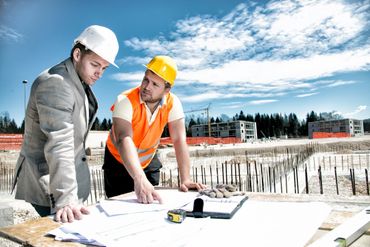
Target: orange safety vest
x,y
146,137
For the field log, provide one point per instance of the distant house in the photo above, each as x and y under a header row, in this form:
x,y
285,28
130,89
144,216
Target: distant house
x,y
366,125
245,130
335,128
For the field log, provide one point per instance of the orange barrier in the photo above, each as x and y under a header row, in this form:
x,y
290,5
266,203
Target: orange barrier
x,y
207,140
11,141
14,141
330,134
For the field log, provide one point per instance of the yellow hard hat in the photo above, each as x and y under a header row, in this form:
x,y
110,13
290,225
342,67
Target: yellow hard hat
x,y
165,67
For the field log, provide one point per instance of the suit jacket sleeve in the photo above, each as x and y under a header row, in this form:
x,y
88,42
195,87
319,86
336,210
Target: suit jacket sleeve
x,y
55,103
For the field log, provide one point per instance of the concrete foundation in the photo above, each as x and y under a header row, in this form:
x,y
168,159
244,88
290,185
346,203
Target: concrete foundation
x,y
6,216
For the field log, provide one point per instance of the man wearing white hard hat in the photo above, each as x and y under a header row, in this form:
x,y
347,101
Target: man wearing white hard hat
x,y
52,171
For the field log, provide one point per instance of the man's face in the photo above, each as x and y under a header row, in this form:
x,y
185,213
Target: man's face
x,y
89,66
152,88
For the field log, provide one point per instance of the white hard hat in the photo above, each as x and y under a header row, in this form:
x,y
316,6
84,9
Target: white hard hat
x,y
100,40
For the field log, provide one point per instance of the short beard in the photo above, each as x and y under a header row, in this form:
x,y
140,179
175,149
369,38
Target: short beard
x,y
150,100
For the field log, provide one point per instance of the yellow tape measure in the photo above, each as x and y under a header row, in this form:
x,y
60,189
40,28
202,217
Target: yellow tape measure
x,y
176,215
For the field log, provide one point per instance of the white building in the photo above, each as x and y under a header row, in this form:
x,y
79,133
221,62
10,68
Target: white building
x,y
241,129
351,127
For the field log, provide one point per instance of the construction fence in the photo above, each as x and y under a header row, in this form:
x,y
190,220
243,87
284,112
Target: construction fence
x,y
308,169
11,141
316,135
204,140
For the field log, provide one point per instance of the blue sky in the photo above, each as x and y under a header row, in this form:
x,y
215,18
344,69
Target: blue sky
x,y
254,56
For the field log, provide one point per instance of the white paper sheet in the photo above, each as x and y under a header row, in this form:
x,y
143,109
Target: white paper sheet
x,y
129,205
261,224
65,235
139,229
255,224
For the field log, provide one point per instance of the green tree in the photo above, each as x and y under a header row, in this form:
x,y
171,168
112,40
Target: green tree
x,y
258,121
312,117
303,131
249,118
279,124
96,124
8,125
191,123
293,125
21,129
104,125
242,116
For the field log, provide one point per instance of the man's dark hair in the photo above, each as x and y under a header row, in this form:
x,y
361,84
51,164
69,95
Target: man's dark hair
x,y
167,85
82,48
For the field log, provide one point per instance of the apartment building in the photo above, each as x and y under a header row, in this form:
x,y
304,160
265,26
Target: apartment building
x,y
245,130
336,128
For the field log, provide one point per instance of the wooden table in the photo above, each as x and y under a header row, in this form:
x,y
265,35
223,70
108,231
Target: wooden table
x,y
32,233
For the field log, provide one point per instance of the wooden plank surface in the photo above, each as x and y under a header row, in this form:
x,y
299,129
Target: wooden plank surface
x,y
33,233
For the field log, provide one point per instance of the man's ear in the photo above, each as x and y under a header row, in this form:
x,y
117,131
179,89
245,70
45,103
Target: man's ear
x,y
77,54
167,90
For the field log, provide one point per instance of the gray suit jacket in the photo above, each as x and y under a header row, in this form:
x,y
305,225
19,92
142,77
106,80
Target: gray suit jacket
x,y
52,169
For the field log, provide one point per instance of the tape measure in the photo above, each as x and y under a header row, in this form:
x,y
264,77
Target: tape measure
x,y
176,215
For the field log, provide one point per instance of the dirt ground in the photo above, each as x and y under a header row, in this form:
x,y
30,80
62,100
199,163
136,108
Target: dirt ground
x,y
199,155
22,212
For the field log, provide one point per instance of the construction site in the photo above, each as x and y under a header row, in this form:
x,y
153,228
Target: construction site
x,y
332,170
185,123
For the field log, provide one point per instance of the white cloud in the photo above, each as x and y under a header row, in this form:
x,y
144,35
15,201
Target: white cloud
x,y
280,47
332,83
311,25
9,34
262,102
306,95
359,109
136,76
133,60
209,96
279,29
201,97
340,83
233,105
278,71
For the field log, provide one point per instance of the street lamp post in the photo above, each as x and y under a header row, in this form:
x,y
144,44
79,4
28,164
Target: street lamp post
x,y
24,84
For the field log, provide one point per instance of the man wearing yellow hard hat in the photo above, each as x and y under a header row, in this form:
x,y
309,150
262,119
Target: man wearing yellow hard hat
x,y
139,117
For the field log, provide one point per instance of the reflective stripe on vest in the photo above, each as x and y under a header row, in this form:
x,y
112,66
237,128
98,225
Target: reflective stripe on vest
x,y
146,137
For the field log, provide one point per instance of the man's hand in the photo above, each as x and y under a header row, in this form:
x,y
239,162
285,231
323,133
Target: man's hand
x,y
70,212
189,185
145,191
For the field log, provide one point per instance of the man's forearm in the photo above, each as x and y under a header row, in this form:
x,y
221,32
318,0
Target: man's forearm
x,y
183,160
129,156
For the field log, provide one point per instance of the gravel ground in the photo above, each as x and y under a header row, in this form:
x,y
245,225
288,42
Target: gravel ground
x,y
22,212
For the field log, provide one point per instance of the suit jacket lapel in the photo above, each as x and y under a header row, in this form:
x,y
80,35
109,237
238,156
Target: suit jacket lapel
x,y
86,95
81,101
